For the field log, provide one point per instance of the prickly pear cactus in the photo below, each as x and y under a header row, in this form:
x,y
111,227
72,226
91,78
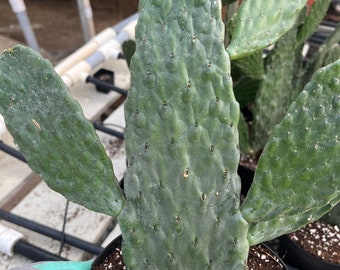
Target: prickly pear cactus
x,y
274,92
255,28
51,131
181,139
182,188
283,70
297,179
182,209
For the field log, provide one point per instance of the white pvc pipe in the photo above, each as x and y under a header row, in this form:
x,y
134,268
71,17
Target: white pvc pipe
x,y
105,45
86,19
121,25
89,48
8,239
111,49
19,8
85,50
77,73
305,49
2,126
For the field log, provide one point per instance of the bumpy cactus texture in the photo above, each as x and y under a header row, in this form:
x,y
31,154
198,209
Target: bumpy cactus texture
x,y
274,92
297,179
254,29
182,208
284,70
286,73
182,188
51,131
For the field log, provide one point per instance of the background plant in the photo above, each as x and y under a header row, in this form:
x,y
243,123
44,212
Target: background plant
x,y
181,188
269,82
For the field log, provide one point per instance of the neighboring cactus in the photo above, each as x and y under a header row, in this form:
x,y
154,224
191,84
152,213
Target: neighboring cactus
x,y
282,78
182,207
254,30
297,179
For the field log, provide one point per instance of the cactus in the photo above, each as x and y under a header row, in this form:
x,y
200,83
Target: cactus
x,y
254,30
50,129
283,79
182,208
185,133
281,166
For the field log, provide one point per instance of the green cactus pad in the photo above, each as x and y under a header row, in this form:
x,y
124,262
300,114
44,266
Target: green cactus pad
x,y
284,79
327,51
251,66
182,188
275,89
297,179
51,131
255,32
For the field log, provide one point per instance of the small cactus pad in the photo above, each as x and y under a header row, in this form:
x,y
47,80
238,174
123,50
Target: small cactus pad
x,y
256,30
51,131
297,179
182,188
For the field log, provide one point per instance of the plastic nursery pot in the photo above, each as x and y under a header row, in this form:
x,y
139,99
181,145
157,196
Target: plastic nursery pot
x,y
261,256
114,248
246,175
296,256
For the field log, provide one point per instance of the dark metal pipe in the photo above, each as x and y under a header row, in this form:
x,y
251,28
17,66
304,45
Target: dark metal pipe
x,y
35,253
104,84
110,131
47,231
12,151
317,38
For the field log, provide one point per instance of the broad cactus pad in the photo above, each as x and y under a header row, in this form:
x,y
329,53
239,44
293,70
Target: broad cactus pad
x,y
182,188
297,179
51,131
255,29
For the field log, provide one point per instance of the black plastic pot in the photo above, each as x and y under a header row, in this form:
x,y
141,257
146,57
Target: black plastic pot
x,y
246,175
115,243
269,251
302,259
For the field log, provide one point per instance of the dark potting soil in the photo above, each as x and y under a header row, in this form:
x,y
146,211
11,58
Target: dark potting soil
x,y
114,261
320,239
248,161
259,258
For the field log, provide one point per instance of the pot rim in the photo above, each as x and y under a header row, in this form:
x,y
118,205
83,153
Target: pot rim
x,y
311,261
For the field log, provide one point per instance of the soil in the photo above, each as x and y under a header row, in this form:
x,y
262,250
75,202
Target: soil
x,y
56,23
260,258
320,239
